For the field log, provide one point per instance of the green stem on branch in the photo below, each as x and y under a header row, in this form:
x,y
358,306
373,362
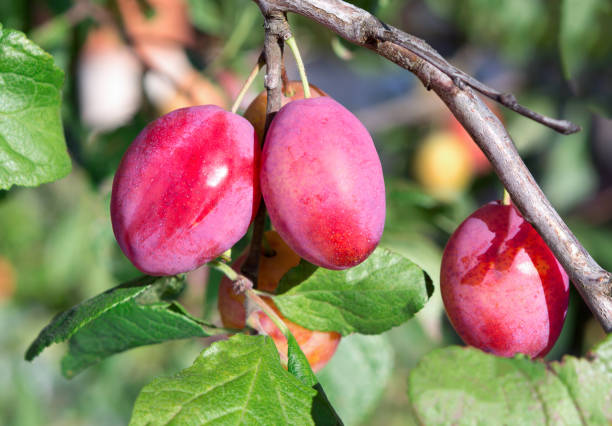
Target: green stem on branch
x,y
298,60
506,200
225,269
245,87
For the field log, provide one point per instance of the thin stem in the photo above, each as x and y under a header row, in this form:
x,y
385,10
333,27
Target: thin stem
x,y
225,269
364,29
247,84
506,200
253,296
226,256
298,60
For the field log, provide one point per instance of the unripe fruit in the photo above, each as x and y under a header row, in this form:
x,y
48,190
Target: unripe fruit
x,y
294,90
322,183
503,289
186,189
443,165
318,346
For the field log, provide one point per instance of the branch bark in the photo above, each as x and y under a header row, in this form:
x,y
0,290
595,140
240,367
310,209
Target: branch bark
x,y
277,31
457,90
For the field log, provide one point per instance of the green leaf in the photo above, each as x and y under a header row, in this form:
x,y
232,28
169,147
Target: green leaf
x,y
233,382
133,314
468,386
357,375
382,292
297,364
32,145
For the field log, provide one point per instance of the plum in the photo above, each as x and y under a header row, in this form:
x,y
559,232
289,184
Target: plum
x,y
186,189
503,289
292,91
318,346
322,183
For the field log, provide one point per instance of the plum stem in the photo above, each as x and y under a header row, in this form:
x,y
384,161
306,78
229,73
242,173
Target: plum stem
x,y
226,256
280,324
300,65
247,84
506,200
240,282
225,269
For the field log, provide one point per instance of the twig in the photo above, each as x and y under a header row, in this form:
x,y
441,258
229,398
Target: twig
x,y
247,84
364,29
277,30
358,26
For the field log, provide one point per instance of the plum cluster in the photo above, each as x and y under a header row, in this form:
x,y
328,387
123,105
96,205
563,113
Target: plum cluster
x,y
188,188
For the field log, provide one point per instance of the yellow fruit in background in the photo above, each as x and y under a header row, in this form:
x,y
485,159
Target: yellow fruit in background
x,y
443,165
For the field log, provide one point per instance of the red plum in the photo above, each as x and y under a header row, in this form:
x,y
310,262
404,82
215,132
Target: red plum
x,y
322,183
503,289
186,189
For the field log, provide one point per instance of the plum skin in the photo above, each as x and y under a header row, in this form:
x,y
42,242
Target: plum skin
x,y
503,289
322,182
292,91
318,346
186,189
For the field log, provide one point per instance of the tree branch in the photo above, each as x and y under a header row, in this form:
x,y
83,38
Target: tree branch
x,y
277,30
364,29
455,88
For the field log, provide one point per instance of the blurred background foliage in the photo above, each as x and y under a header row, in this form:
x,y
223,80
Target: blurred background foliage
x,y
128,61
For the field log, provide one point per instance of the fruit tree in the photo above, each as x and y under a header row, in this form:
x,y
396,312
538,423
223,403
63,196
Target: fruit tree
x,y
297,212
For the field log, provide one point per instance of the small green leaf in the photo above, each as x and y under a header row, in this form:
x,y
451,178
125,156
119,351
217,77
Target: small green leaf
x,y
468,386
297,364
65,324
233,382
382,292
32,145
357,375
134,314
